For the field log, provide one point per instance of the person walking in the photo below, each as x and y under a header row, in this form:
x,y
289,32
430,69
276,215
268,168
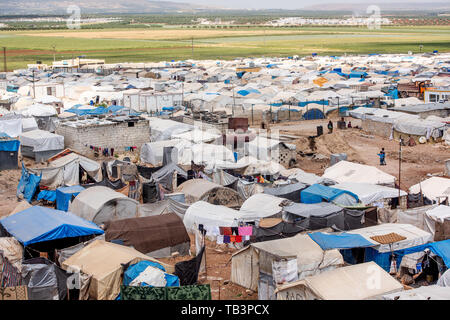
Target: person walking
x,y
382,156
330,127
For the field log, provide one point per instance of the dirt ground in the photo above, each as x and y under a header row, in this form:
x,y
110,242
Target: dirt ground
x,y
417,163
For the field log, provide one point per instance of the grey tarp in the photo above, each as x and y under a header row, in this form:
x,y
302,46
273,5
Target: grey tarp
x,y
44,279
164,176
291,191
322,215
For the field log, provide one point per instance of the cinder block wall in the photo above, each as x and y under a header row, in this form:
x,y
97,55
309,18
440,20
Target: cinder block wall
x,y
117,135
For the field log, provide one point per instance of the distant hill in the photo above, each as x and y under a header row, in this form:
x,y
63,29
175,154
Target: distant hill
x,y
49,7
392,6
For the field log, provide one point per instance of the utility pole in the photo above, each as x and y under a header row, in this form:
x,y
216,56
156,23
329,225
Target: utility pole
x,y
4,59
399,166
54,53
34,87
192,47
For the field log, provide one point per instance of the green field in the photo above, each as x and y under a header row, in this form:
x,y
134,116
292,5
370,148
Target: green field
x,y
165,44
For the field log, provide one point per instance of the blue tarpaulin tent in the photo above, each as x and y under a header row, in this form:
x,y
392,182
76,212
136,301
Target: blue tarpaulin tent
x,y
313,114
39,224
383,259
9,145
64,196
442,249
340,241
317,193
28,184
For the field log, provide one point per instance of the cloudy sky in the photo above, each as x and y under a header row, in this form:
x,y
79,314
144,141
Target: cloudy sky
x,y
284,4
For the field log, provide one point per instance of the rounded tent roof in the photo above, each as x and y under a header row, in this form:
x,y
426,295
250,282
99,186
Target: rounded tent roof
x,y
100,204
201,189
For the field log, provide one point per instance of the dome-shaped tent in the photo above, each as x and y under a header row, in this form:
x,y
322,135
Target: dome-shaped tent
x,y
100,204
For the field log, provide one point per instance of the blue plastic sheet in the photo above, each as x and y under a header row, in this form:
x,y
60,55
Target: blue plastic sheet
x,y
9,145
135,269
64,196
39,224
442,249
49,195
28,184
317,193
340,241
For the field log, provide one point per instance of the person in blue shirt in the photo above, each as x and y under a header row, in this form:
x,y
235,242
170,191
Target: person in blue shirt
x,y
382,156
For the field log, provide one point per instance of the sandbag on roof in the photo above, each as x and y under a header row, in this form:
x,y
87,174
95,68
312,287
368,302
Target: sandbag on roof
x,y
414,236
345,171
204,190
346,283
149,234
100,204
39,224
103,260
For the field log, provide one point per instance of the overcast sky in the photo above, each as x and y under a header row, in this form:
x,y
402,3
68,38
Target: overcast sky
x,y
283,4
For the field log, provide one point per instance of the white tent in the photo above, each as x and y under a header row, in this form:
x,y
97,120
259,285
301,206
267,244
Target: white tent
x,y
153,152
65,171
100,204
414,236
357,282
210,215
370,193
345,171
433,292
41,140
263,205
433,188
248,263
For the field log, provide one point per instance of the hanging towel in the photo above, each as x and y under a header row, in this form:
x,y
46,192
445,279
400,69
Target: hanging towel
x,y
219,239
238,239
245,231
234,231
226,239
226,231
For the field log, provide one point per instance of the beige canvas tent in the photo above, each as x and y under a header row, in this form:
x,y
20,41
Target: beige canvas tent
x,y
248,263
357,282
204,190
102,260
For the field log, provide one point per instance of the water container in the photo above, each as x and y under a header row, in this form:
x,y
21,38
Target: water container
x,y
149,193
319,130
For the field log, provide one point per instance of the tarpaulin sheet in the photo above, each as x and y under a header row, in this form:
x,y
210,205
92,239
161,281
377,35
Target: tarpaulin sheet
x,y
442,249
317,192
28,184
340,241
49,195
64,196
38,224
9,145
135,270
